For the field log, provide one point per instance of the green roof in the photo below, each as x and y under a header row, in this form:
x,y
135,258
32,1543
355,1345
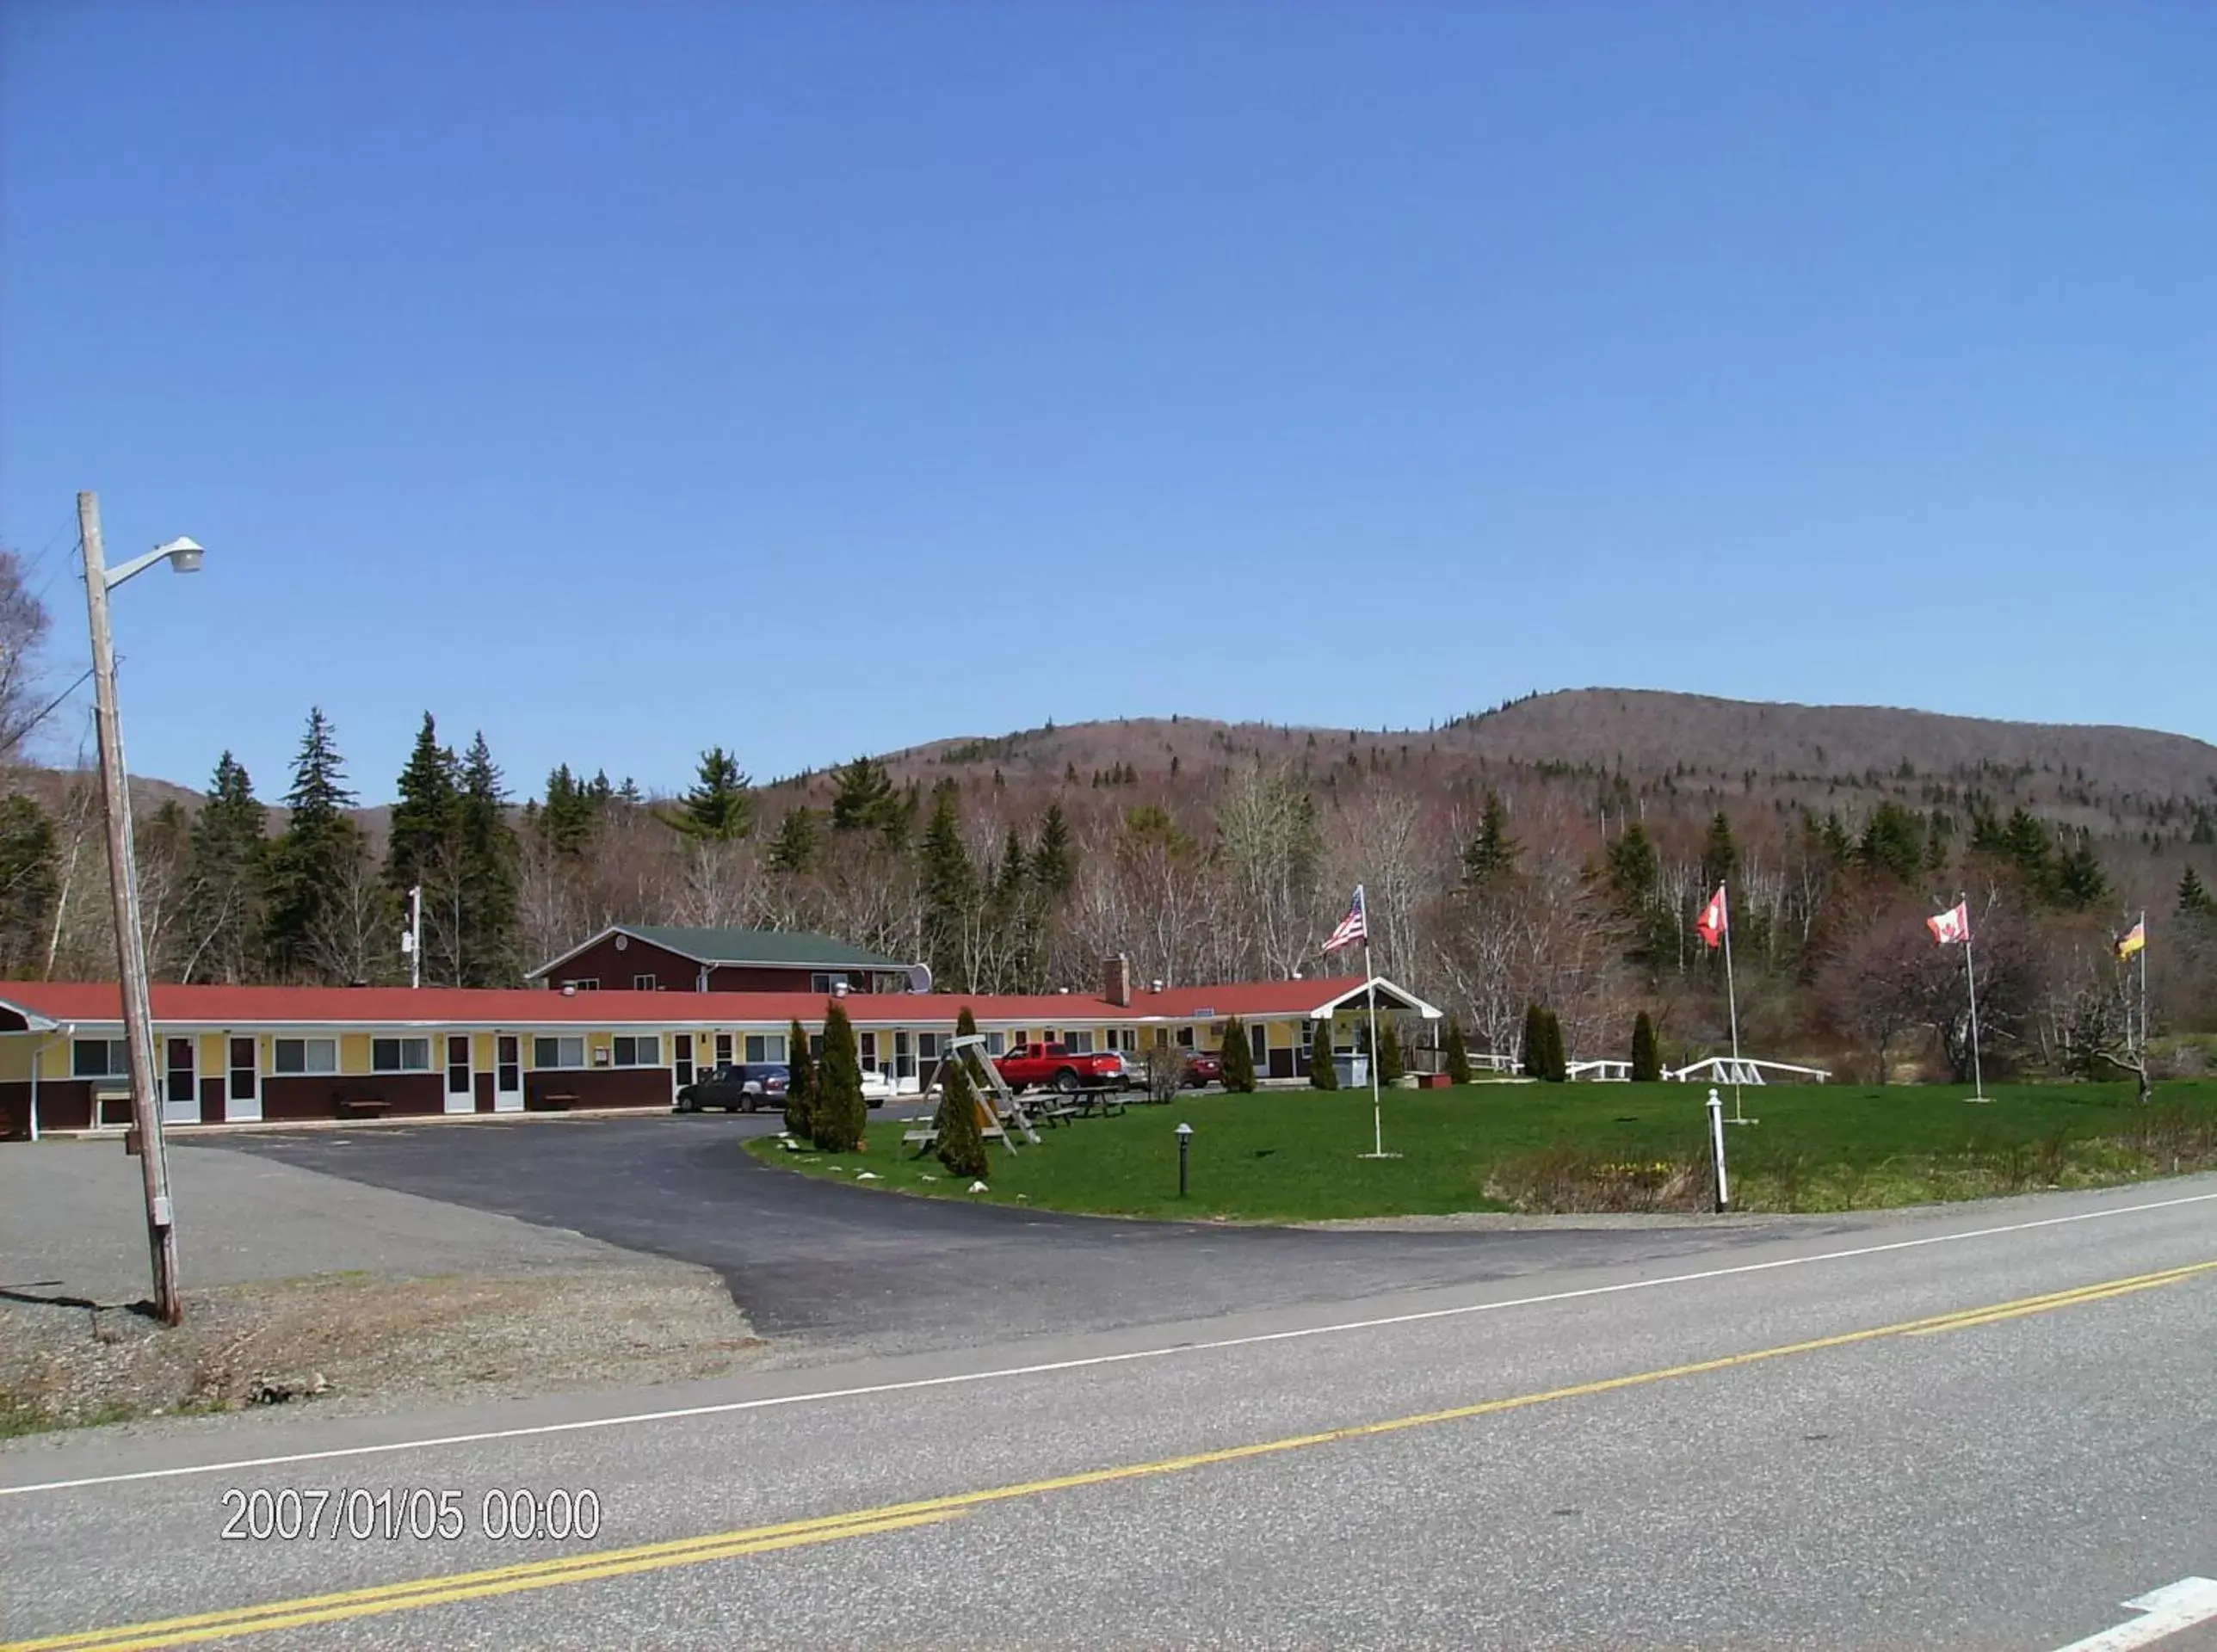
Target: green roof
x,y
789,947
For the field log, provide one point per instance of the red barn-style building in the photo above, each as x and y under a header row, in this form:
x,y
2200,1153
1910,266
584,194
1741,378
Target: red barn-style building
x,y
657,958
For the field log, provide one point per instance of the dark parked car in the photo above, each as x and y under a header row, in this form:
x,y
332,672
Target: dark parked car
x,y
1203,1066
736,1087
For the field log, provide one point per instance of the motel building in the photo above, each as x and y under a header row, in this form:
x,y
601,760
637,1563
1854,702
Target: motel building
x,y
227,1055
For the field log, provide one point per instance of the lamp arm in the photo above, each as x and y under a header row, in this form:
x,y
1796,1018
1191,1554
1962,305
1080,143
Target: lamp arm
x,y
122,571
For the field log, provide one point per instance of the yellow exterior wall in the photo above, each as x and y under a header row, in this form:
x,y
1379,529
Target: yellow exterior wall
x,y
481,1052
354,1052
215,1057
15,1059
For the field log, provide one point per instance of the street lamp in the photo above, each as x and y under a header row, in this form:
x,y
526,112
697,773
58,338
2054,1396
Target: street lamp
x,y
184,556
1185,1142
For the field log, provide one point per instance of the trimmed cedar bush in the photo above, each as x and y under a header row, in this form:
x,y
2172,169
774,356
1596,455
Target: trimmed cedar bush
x,y
1646,1055
839,1113
800,1086
1323,1075
1239,1058
962,1141
1457,1055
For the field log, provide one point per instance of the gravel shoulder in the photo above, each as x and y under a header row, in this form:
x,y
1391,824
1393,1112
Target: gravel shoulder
x,y
306,1289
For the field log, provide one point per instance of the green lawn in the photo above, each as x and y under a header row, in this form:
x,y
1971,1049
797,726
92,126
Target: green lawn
x,y
1290,1156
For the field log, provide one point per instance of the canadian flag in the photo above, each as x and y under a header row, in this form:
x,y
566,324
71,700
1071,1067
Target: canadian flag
x,y
1712,924
1953,925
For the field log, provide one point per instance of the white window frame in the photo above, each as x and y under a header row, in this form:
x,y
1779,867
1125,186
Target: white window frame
x,y
634,1039
866,1051
767,1049
402,1062
307,1069
1077,1040
118,1056
829,981
997,1044
561,1064
644,984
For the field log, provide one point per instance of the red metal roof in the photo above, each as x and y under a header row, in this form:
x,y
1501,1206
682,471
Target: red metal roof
x,y
98,1002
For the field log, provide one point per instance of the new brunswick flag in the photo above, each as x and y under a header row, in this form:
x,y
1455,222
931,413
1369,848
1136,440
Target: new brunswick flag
x,y
2133,940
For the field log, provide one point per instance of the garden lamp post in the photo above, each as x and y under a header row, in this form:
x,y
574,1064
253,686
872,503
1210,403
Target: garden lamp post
x,y
184,556
1185,1143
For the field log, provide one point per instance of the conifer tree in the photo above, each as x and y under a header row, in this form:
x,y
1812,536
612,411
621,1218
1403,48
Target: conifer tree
x,y
961,1140
1323,1075
487,853
950,893
1647,1056
225,868
1456,1052
1719,855
1054,861
2079,882
793,849
799,1085
1239,1058
1894,844
422,829
573,810
1492,853
839,1113
318,856
1532,1054
864,800
2194,897
721,807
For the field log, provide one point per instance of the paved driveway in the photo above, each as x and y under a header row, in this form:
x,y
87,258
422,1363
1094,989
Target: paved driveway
x,y
825,1268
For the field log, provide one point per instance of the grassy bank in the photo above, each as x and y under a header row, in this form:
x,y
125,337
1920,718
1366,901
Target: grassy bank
x,y
1292,1155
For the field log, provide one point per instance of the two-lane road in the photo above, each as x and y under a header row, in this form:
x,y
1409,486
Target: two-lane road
x,y
1974,1430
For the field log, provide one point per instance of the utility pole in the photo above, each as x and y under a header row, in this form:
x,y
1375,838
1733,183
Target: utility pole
x,y
412,942
130,940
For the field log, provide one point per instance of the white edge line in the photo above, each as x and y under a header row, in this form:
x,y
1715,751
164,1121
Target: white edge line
x,y
1000,1373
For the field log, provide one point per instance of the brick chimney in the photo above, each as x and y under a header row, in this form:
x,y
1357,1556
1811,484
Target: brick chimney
x,y
1116,980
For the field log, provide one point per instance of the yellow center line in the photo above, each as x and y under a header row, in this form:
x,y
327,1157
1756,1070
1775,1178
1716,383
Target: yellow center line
x,y
553,1572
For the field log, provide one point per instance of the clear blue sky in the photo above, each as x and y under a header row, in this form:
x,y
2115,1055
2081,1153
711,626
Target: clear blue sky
x,y
621,379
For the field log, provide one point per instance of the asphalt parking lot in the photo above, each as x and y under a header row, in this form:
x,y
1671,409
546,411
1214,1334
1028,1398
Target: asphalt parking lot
x,y
831,1270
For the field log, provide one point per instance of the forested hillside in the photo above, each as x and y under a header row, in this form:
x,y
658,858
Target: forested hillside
x,y
1551,851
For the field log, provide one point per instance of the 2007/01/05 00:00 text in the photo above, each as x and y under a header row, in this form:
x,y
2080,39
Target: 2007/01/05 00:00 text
x,y
397,1514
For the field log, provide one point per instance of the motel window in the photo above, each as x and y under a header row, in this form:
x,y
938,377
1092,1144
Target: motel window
x,y
722,1049
826,980
639,1050
1258,1040
869,1045
927,1046
585,983
100,1058
997,1044
642,983
550,1053
1185,1038
400,1054
765,1046
1078,1043
290,1057
816,1045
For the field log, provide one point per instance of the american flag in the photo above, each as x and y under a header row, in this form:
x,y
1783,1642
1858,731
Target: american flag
x,y
1353,928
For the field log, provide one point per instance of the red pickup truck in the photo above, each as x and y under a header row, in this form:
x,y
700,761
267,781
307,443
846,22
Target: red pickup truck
x,y
1026,1065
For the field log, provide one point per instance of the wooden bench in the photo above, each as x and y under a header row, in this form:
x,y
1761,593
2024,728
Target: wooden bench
x,y
549,1101
361,1107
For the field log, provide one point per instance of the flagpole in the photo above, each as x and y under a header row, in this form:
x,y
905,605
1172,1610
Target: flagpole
x,y
1971,984
1370,991
1731,1001
2144,1015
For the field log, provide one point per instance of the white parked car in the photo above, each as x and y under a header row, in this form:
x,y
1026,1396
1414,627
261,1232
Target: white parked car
x,y
877,1087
